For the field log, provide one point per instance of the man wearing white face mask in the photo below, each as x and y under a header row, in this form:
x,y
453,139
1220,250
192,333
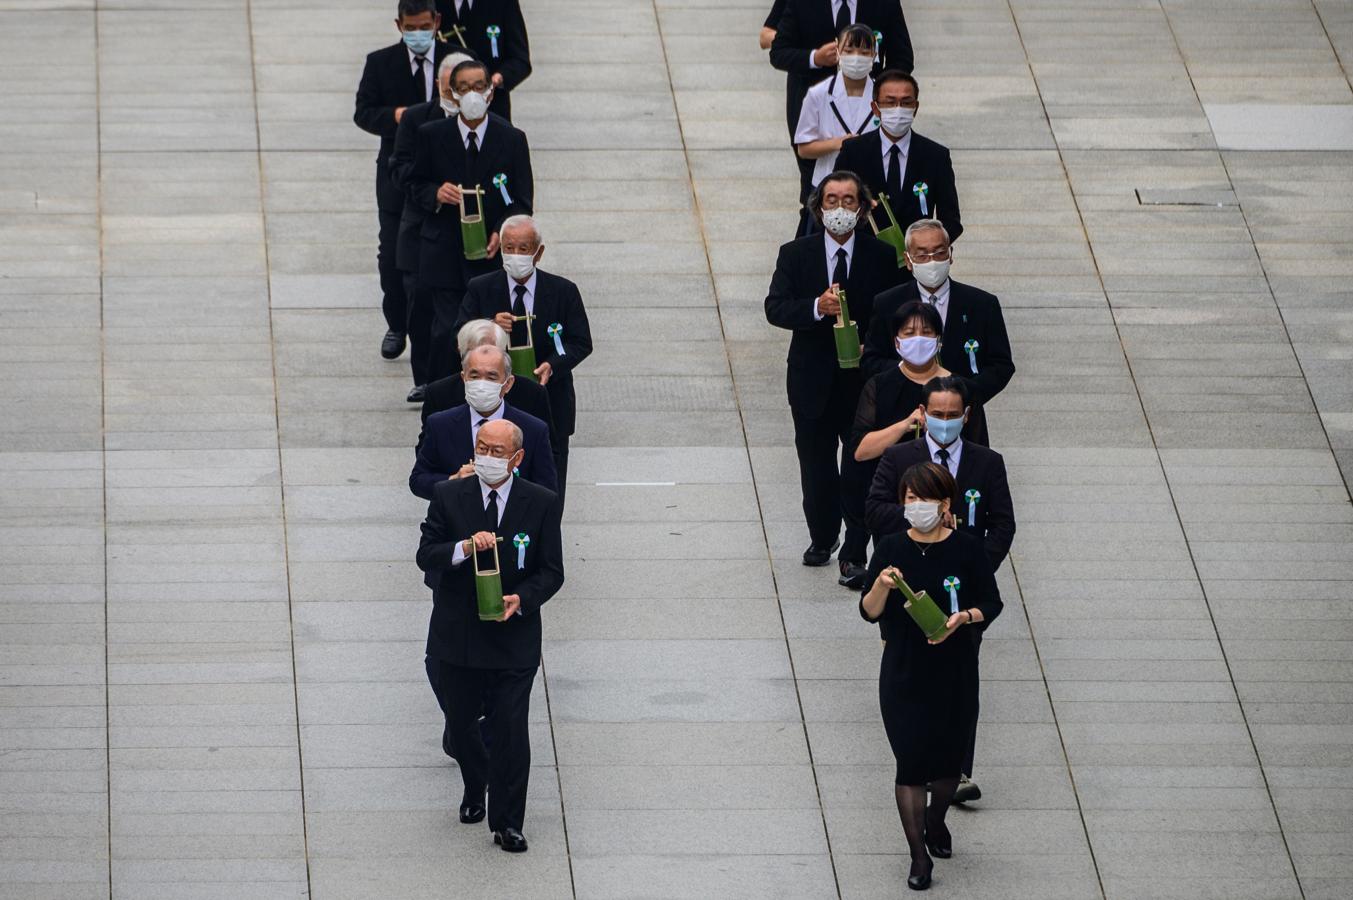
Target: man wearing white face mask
x,y
449,437
916,173
975,344
559,330
480,149
804,298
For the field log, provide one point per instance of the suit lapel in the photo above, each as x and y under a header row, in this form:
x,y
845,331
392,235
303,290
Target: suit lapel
x,y
818,262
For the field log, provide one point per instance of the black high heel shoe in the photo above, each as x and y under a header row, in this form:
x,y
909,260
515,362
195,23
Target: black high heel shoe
x,y
919,879
938,840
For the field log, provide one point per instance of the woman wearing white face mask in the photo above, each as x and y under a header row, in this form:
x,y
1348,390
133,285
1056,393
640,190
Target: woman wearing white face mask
x,y
838,107
928,689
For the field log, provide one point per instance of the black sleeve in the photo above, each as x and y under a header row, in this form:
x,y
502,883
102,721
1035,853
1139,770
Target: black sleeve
x,y
946,199
1000,516
471,306
787,52
577,334
422,184
995,365
785,307
987,595
548,577
897,52
524,197
880,350
438,546
372,115
776,11
882,512
430,467
401,157
866,413
515,63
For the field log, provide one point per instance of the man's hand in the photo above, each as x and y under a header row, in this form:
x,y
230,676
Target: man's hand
x,y
825,56
947,520
543,373
497,79
399,113
449,193
483,540
511,603
767,37
492,249
504,321
829,302
464,471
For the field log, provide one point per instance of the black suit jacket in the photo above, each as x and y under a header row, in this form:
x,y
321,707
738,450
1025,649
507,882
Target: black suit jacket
x,y
801,275
805,25
557,302
439,157
513,57
928,162
974,315
387,82
455,634
524,395
447,446
980,469
400,166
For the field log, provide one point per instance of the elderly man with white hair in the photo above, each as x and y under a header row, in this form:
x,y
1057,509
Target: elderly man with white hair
x,y
974,344
558,331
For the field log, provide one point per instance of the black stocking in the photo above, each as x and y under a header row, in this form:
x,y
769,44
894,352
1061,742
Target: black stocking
x,y
911,809
941,796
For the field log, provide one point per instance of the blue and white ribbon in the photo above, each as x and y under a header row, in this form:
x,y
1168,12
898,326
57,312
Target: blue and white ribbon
x,y
970,348
878,44
554,331
493,31
521,541
972,497
951,585
920,189
500,182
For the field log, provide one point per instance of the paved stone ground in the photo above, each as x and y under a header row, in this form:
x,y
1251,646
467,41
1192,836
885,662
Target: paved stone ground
x,y
210,623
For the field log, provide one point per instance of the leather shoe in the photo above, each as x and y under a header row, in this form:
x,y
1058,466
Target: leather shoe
x,y
472,808
852,576
417,394
938,840
393,344
817,556
919,878
967,791
511,840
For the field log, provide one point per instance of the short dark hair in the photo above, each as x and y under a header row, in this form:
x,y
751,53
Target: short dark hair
x,y
857,35
928,481
946,384
888,75
466,66
861,190
416,7
918,309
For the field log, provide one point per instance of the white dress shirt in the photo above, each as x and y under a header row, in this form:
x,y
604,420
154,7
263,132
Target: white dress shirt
x,y
429,66
903,148
529,300
459,556
478,130
939,299
477,418
836,8
818,121
955,451
831,246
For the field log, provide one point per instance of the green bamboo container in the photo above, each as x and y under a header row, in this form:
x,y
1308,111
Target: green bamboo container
x,y
524,356
847,335
893,234
473,235
928,617
488,586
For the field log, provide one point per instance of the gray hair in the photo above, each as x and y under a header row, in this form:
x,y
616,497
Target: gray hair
x,y
449,62
477,333
503,355
518,439
925,225
521,220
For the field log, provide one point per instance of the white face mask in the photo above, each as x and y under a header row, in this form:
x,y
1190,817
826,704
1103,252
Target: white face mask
x,y
450,108
519,265
491,469
483,395
840,221
474,105
897,120
854,66
918,351
924,515
931,274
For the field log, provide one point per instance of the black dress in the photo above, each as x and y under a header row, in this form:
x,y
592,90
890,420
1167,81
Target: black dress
x,y
928,693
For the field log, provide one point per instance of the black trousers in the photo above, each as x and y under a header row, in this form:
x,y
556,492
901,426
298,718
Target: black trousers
x,y
971,748
394,304
818,441
444,304
418,326
561,464
506,696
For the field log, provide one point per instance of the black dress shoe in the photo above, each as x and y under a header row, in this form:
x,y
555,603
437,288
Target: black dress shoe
x,y
393,344
967,791
417,394
472,808
938,840
511,840
852,576
919,879
817,556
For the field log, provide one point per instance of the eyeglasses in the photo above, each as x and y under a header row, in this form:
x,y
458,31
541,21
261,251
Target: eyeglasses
x,y
908,103
938,255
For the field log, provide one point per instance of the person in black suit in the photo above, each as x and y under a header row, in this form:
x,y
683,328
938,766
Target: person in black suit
x,y
448,444
476,148
419,317
524,394
559,329
476,665
804,297
395,78
981,506
494,31
974,343
914,172
805,48
767,36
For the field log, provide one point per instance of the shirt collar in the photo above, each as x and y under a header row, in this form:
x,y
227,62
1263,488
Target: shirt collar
x,y
529,284
476,415
838,89
953,448
503,490
903,146
478,130
830,243
426,56
939,298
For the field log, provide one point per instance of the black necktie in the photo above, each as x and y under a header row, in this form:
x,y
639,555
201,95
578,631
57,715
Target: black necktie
x,y
420,77
943,454
462,10
471,155
894,179
491,511
842,17
520,335
839,273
